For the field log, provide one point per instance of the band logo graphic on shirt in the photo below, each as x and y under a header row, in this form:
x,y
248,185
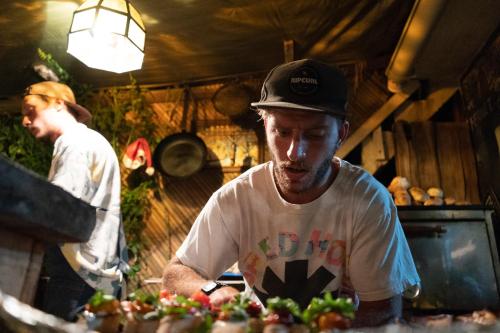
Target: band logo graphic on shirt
x,y
296,284
288,245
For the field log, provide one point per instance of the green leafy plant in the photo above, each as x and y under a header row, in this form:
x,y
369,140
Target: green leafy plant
x,y
18,145
135,207
122,115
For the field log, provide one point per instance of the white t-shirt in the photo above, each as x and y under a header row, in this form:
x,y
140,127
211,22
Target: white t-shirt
x,y
350,236
85,165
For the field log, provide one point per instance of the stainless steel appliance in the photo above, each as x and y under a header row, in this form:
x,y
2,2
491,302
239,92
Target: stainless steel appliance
x,y
456,255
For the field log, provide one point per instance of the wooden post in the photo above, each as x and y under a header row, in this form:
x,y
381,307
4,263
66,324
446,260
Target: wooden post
x,y
289,50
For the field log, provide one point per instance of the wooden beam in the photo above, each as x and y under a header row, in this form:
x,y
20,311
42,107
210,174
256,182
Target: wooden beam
x,y
10,105
425,109
289,50
377,118
373,152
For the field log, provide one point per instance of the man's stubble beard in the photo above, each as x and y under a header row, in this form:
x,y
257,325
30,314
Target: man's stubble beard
x,y
286,186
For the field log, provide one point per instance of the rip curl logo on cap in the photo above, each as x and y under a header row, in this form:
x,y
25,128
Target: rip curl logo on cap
x,y
304,81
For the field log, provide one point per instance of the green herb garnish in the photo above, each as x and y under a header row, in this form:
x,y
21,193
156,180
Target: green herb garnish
x,y
100,298
327,304
181,307
277,304
145,298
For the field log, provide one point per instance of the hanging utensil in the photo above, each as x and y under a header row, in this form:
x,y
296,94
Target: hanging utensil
x,y
182,154
232,100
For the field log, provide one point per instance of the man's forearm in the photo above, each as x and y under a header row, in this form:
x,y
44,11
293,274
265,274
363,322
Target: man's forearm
x,y
377,313
181,279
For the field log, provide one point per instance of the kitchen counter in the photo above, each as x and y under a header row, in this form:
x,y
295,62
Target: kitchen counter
x,y
33,213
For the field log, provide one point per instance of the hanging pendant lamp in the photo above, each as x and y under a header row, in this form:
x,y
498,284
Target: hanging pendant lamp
x,y
107,35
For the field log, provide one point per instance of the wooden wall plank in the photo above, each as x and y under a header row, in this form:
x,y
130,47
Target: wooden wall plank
x,y
174,209
425,155
405,155
437,154
423,110
468,164
450,163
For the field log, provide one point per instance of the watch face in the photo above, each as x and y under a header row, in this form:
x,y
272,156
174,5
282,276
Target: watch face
x,y
209,287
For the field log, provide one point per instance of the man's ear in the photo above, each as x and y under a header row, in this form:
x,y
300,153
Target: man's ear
x,y
344,131
59,104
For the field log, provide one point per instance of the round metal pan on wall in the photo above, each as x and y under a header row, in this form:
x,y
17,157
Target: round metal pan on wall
x,y
181,154
232,100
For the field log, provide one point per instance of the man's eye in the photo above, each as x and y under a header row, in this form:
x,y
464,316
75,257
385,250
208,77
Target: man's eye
x,y
315,134
282,132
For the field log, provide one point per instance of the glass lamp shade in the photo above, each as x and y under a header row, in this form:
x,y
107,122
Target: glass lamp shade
x,y
107,35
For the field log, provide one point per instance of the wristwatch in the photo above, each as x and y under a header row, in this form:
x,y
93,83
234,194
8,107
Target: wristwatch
x,y
211,287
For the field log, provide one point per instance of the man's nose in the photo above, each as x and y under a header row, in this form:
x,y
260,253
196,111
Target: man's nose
x,y
25,121
297,149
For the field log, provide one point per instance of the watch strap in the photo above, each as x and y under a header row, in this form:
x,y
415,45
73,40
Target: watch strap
x,y
211,286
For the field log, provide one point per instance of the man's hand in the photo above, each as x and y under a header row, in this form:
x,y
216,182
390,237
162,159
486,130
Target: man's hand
x,y
223,295
183,280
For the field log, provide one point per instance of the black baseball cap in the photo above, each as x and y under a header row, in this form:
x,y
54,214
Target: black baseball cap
x,y
305,85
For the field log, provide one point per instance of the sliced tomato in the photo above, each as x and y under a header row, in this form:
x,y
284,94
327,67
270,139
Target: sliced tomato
x,y
200,297
279,317
272,318
254,309
165,294
331,320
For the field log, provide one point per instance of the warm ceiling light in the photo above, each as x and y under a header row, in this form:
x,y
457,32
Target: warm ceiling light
x,y
108,35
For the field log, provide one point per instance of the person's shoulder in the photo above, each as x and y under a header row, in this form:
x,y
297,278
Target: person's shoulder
x,y
351,172
86,140
78,132
248,180
94,134
95,139
255,172
357,178
365,193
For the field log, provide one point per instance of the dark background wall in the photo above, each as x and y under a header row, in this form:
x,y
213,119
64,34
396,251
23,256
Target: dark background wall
x,y
480,89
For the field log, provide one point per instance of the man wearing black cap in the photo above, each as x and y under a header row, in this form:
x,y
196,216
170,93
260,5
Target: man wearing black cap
x,y
306,222
85,165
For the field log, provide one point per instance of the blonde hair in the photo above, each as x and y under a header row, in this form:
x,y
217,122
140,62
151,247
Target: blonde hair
x,y
263,113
